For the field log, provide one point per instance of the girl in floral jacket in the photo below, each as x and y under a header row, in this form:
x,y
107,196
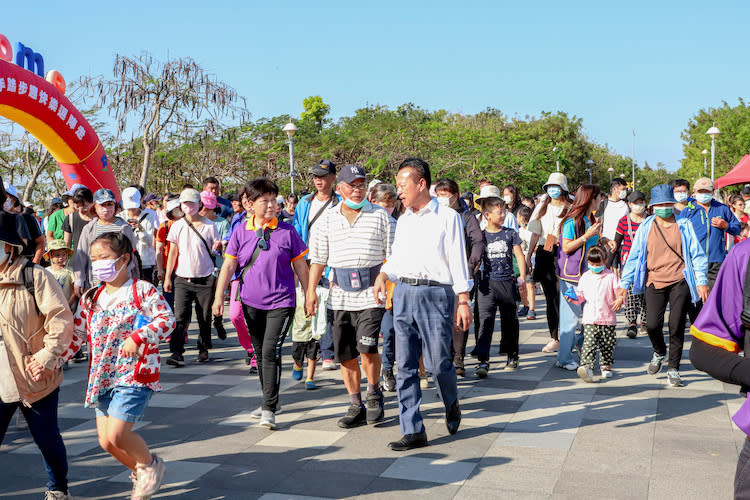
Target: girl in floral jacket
x,y
124,321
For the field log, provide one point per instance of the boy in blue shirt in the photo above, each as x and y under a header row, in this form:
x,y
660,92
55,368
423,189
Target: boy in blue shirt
x,y
497,287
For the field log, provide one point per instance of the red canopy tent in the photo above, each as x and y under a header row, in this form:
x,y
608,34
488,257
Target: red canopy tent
x,y
740,174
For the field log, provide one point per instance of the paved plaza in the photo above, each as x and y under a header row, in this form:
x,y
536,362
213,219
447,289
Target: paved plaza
x,y
537,432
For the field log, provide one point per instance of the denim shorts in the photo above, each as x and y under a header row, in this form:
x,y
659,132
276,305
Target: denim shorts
x,y
124,403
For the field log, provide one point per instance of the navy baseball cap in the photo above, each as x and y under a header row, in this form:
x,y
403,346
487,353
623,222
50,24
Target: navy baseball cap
x,y
350,173
325,167
103,196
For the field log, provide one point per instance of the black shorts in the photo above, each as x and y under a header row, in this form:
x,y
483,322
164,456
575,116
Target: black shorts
x,y
356,332
302,350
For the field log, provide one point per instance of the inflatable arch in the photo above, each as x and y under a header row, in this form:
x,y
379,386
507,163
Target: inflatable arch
x,y
41,108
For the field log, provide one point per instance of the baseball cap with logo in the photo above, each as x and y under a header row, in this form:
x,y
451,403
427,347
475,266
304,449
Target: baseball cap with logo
x,y
325,167
190,195
131,198
350,173
103,196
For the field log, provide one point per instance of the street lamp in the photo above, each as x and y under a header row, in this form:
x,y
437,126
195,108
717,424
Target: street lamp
x,y
590,165
290,130
610,170
704,152
557,158
713,132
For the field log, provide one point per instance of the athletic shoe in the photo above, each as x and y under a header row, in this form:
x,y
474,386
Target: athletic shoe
x,y
673,378
258,412
531,315
134,479
267,419
632,331
389,381
310,385
586,373
606,372
552,346
512,363
570,366
482,369
424,382
654,366
150,477
176,360
458,362
375,407
355,416
203,357
57,495
523,311
329,364
297,373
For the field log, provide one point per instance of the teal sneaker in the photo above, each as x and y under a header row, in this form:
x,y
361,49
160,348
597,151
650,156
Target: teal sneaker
x,y
310,385
297,373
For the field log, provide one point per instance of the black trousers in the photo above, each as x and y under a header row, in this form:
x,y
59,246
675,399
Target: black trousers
x,y
186,291
545,274
268,330
494,295
679,300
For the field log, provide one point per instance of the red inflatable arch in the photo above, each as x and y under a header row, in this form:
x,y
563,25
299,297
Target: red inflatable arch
x,y
41,108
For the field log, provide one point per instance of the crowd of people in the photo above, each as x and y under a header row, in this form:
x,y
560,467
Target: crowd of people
x,y
415,263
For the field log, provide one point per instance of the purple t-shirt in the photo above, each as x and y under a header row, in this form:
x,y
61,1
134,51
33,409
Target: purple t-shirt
x,y
269,284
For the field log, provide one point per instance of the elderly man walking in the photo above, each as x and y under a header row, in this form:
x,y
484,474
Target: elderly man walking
x,y
354,239
428,265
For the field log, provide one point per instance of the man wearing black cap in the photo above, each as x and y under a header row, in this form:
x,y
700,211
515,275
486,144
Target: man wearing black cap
x,y
354,239
307,215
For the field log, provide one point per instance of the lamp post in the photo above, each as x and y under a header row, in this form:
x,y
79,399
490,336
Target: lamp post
x,y
590,165
704,153
610,170
557,158
290,130
713,132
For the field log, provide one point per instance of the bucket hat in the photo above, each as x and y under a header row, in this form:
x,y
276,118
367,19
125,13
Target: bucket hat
x,y
661,193
557,179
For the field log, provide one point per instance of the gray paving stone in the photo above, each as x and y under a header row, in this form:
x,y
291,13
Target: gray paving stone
x,y
596,485
429,470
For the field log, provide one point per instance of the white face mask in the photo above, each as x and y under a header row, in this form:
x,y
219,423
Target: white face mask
x,y
623,194
445,202
681,196
637,208
508,199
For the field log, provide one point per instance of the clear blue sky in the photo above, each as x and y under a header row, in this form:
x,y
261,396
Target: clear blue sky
x,y
644,65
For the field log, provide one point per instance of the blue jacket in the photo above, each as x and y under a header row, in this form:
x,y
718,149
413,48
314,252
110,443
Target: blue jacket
x,y
696,264
302,213
711,238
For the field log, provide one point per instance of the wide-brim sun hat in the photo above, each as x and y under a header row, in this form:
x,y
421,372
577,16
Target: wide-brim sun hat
x,y
557,179
489,192
662,193
57,245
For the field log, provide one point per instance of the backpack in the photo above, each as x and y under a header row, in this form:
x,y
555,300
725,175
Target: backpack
x,y
28,281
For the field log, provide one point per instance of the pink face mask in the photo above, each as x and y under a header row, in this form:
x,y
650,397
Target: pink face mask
x,y
105,270
105,213
189,208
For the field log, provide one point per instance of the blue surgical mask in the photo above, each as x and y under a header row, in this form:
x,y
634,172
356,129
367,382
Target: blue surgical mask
x,y
554,192
596,269
355,206
703,198
680,196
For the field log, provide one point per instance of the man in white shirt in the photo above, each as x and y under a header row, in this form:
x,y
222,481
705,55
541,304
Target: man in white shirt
x,y
428,265
354,239
611,211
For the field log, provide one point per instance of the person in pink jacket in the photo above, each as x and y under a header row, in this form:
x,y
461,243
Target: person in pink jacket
x,y
597,291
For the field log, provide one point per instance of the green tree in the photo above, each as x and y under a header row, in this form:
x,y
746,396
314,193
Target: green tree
x,y
315,110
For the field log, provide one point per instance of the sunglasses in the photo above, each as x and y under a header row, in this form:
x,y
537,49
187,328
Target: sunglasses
x,y
263,237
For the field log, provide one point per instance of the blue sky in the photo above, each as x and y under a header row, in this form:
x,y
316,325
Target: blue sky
x,y
647,66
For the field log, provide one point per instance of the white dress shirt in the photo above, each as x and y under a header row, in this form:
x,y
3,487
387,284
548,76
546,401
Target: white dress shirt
x,y
429,244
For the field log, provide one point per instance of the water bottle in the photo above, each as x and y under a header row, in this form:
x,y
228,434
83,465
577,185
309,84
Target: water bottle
x,y
141,320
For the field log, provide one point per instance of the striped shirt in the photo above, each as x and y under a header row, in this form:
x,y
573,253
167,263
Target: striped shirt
x,y
628,235
365,243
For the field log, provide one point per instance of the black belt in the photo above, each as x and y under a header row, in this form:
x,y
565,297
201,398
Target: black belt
x,y
197,281
420,282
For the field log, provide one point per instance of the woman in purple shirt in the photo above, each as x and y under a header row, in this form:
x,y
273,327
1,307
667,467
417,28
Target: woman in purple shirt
x,y
276,253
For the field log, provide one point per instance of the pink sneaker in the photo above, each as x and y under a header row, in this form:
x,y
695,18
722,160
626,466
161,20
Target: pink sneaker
x,y
552,346
150,477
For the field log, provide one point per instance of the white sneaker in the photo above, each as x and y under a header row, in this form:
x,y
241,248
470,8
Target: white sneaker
x,y
258,412
268,420
150,477
607,372
572,366
586,373
57,495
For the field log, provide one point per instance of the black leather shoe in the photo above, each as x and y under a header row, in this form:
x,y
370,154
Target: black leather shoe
x,y
453,418
409,442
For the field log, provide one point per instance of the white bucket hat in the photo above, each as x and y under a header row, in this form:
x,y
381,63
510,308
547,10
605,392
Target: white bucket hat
x,y
489,192
557,179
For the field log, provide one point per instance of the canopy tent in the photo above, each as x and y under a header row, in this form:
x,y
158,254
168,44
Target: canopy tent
x,y
740,174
